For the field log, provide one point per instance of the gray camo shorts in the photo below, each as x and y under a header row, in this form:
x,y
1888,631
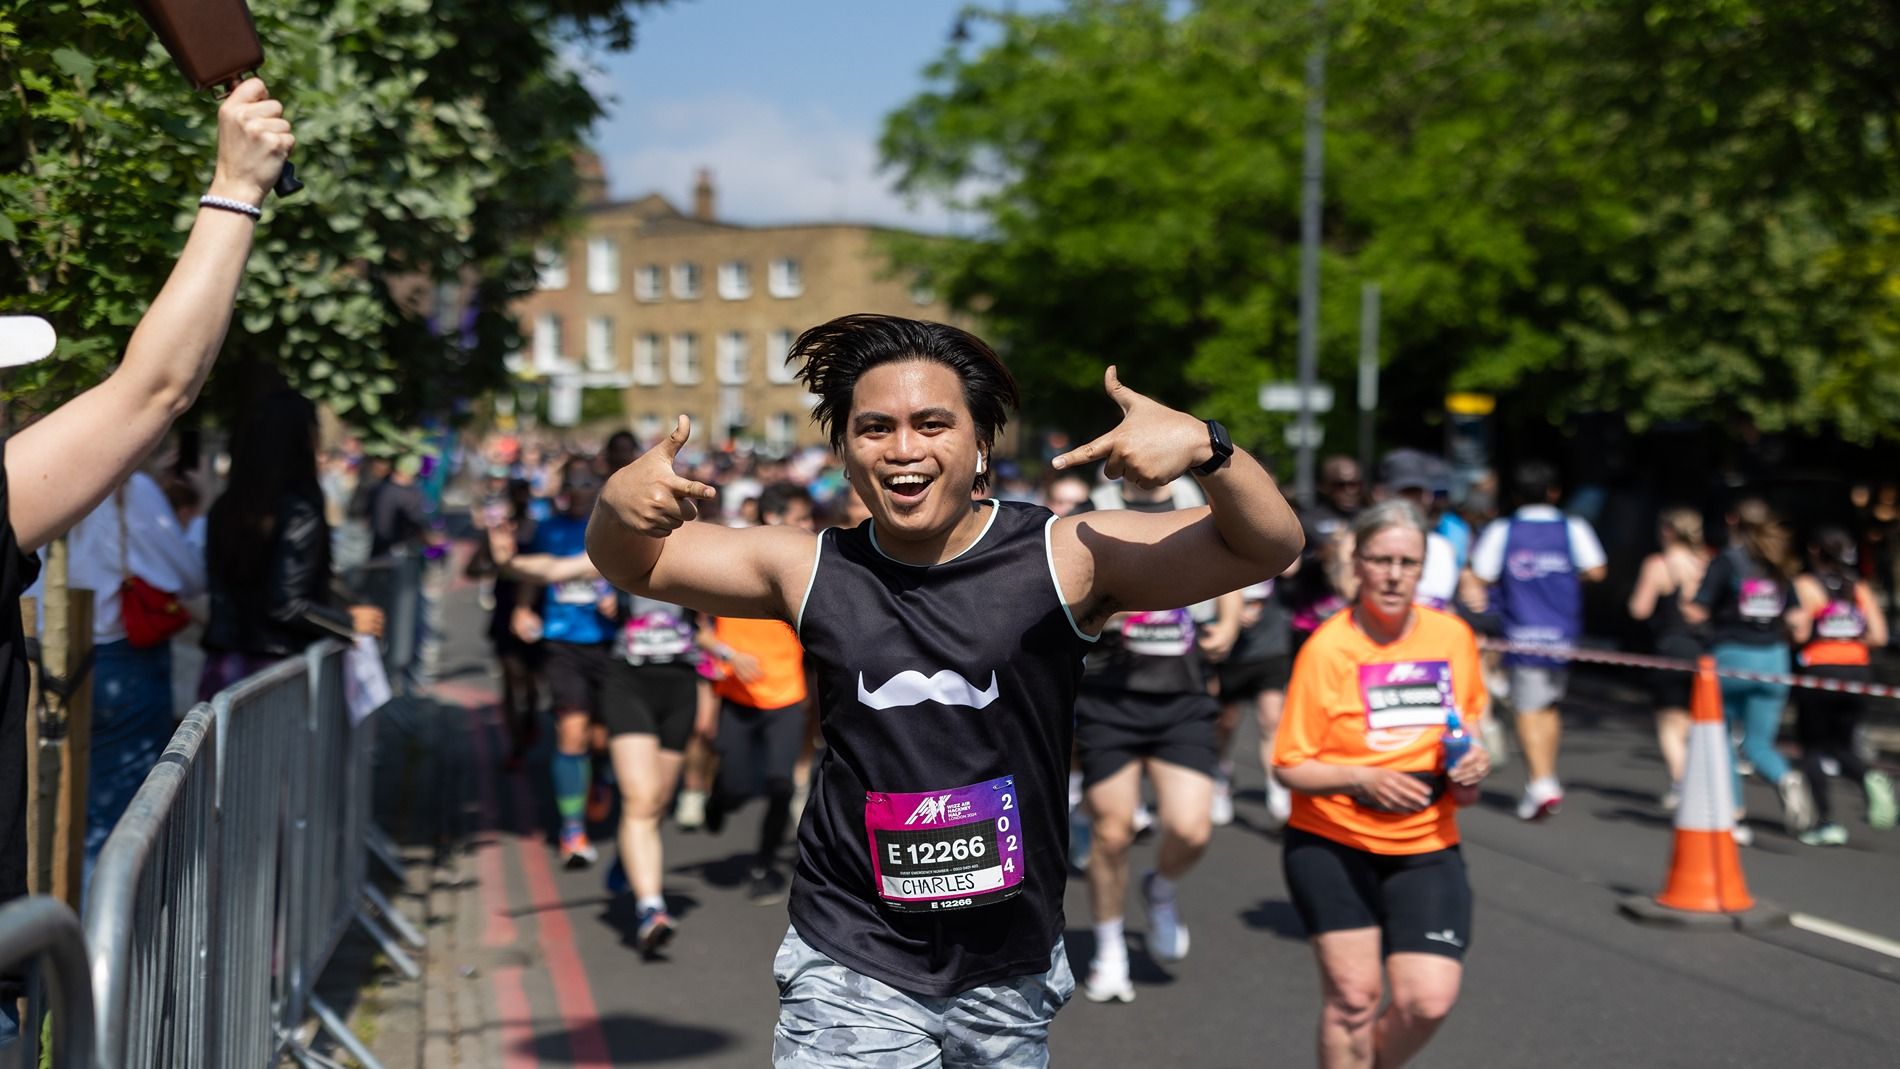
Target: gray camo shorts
x,y
833,1017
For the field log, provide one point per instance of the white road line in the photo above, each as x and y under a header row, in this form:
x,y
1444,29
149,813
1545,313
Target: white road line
x,y
1864,940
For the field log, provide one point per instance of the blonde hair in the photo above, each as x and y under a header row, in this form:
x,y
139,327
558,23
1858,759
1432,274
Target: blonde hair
x,y
1684,525
1764,537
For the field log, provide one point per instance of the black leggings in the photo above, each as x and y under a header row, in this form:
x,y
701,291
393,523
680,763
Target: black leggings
x,y
758,749
1825,727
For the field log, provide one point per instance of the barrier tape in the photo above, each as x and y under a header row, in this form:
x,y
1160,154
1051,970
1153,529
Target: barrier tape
x,y
1677,664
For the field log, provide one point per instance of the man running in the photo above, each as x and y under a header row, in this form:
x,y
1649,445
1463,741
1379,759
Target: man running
x,y
948,636
1537,562
1144,707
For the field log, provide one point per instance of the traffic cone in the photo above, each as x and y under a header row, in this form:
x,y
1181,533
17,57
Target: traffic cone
x,y
1705,884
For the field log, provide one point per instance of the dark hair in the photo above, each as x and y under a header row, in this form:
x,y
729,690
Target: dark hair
x,y
1762,535
777,497
623,441
832,356
579,466
273,457
1834,554
1534,481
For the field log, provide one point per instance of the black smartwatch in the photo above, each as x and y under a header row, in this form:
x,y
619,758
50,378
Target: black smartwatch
x,y
1222,445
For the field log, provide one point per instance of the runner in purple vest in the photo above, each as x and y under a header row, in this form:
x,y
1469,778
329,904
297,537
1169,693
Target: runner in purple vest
x,y
1536,562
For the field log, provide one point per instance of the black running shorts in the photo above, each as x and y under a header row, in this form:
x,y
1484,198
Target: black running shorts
x,y
1421,903
651,699
575,676
1113,729
1244,680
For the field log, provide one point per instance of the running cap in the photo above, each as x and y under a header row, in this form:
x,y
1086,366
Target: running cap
x,y
1409,469
24,339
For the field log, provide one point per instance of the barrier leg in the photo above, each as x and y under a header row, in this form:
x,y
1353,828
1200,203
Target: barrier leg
x,y
383,849
390,948
396,920
338,1030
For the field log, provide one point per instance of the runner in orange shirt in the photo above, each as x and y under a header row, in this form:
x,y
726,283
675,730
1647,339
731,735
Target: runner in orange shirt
x,y
1375,707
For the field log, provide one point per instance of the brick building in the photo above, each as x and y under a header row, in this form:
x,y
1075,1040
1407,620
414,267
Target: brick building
x,y
684,313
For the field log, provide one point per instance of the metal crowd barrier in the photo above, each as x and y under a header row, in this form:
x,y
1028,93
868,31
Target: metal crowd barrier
x,y
239,866
42,933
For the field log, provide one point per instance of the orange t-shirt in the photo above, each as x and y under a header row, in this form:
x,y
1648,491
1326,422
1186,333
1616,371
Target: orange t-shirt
x,y
1408,684
780,655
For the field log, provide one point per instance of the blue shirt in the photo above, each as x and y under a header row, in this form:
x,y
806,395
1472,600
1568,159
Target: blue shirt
x,y
569,611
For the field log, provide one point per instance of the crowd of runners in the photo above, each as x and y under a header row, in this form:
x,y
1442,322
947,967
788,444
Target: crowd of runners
x,y
962,688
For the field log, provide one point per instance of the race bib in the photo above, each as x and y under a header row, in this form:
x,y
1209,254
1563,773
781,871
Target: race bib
x,y
1761,600
576,592
945,849
1406,694
1159,634
655,637
1840,620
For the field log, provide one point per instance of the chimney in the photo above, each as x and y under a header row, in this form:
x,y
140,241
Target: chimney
x,y
591,178
703,196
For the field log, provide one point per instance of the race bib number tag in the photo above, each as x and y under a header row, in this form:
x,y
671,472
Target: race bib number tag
x,y
942,850
1761,599
576,592
1159,634
1840,621
1406,694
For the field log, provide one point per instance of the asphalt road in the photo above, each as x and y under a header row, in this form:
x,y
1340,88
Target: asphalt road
x,y
1556,976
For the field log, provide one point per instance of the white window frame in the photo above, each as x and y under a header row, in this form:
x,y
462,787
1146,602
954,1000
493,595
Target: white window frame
x,y
649,282
735,280
603,265
732,360
649,361
649,427
781,430
777,345
687,282
548,340
550,268
785,277
600,343
683,358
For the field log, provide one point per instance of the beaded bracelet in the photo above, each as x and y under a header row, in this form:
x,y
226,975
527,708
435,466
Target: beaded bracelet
x,y
229,205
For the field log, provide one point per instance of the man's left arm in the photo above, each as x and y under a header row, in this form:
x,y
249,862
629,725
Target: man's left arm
x,y
1586,551
1111,561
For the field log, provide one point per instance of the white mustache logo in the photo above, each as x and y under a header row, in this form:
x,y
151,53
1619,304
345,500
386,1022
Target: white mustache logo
x,y
915,688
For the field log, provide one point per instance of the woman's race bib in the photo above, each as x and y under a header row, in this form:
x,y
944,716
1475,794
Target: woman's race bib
x,y
656,638
1761,600
949,849
578,592
1841,621
1406,694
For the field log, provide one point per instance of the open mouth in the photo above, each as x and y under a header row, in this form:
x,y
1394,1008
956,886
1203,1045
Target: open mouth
x,y
907,487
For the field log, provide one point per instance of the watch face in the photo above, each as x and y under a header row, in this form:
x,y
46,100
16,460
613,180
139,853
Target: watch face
x,y
1218,434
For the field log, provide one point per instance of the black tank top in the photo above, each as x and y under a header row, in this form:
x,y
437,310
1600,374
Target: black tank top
x,y
947,696
1148,652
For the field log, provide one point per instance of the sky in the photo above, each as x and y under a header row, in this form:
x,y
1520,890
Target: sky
x,y
782,99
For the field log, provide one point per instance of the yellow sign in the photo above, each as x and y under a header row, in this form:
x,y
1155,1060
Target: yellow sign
x,y
1470,404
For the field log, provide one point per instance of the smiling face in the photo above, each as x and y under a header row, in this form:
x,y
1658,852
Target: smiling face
x,y
910,451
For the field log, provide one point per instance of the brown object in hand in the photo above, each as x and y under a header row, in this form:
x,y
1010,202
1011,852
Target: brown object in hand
x,y
213,42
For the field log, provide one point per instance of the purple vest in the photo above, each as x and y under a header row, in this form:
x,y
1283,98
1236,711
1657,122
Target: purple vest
x,y
1540,599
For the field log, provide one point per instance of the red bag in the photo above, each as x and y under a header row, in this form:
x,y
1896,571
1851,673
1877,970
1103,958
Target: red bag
x,y
151,616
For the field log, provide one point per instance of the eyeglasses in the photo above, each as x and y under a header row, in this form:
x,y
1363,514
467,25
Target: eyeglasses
x,y
1402,565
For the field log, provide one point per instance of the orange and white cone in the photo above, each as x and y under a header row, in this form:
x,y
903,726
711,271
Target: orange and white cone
x,y
1705,887
1705,875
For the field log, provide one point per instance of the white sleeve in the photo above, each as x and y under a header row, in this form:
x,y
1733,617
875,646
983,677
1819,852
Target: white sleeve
x,y
160,553
1487,557
1585,551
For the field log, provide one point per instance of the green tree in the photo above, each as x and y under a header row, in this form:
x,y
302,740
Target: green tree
x,y
1660,210
435,138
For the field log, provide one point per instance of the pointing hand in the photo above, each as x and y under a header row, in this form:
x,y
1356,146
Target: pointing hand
x,y
651,498
1151,447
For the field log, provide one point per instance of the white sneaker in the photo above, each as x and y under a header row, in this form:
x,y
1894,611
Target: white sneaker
x,y
1539,802
1144,818
1743,835
1167,936
1221,809
1279,804
1797,805
690,812
1108,982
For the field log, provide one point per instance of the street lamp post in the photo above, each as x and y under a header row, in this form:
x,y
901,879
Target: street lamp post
x,y
1311,174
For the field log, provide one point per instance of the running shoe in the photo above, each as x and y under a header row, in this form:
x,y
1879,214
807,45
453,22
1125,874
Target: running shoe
x,y
1167,936
1828,834
600,802
1671,799
617,882
1144,819
1221,810
690,811
656,928
1880,803
576,851
1742,834
1108,982
765,887
1540,802
1797,805
1279,804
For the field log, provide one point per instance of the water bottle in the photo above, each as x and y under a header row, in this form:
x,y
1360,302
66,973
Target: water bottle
x,y
1456,743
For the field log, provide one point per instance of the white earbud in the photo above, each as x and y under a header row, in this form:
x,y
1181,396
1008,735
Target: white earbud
x,y
982,462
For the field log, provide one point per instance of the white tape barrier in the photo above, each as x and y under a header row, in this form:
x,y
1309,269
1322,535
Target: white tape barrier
x,y
1677,664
